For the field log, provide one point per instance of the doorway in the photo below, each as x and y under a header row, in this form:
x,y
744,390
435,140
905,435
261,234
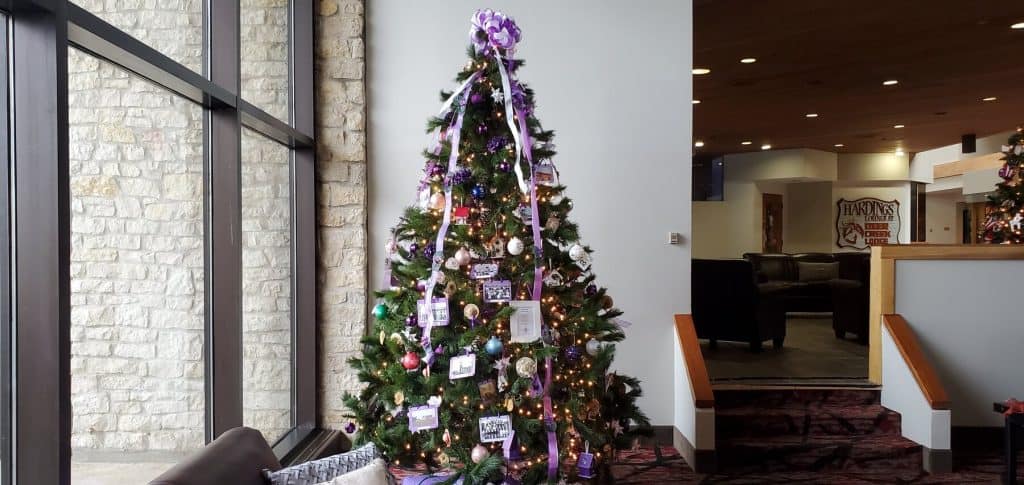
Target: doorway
x,y
771,223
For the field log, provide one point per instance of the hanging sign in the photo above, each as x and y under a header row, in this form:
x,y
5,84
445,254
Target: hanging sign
x,y
866,222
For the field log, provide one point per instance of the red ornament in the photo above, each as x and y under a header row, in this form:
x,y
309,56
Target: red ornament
x,y
411,360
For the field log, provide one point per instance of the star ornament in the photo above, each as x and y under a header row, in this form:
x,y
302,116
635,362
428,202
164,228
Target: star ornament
x,y
615,427
498,96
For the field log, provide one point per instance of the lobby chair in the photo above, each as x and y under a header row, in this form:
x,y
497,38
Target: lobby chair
x,y
728,306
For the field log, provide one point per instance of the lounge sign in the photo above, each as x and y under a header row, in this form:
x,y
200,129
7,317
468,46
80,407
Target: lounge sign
x,y
866,222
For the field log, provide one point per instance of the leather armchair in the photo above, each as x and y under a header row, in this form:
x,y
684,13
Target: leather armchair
x,y
237,457
727,305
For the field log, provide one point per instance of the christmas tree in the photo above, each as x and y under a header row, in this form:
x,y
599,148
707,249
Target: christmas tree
x,y
1005,209
491,349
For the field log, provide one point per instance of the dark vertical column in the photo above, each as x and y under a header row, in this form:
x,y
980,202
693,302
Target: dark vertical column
x,y
223,228
41,210
918,221
5,265
304,354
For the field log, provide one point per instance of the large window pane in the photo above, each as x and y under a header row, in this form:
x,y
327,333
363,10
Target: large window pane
x,y
173,27
137,274
264,46
266,286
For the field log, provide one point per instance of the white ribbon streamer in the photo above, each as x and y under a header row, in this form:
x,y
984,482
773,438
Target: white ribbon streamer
x,y
510,116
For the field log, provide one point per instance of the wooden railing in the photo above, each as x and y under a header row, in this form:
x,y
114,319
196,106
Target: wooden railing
x,y
697,371
925,375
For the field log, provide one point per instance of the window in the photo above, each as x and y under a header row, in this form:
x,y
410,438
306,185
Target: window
x,y
137,271
266,286
5,266
158,237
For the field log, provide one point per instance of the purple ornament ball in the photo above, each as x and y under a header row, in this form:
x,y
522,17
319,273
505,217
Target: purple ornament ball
x,y
437,170
504,166
591,290
428,252
412,320
573,352
476,98
350,427
414,248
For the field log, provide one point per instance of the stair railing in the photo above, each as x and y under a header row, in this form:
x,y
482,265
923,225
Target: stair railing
x,y
694,430
911,387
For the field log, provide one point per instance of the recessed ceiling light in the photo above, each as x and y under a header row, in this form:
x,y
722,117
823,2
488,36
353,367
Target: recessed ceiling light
x,y
766,147
838,145
990,98
746,143
899,152
696,101
897,126
811,115
890,82
700,71
698,144
748,60
1017,26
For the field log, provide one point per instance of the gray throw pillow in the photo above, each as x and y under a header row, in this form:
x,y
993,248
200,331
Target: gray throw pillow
x,y
324,469
817,271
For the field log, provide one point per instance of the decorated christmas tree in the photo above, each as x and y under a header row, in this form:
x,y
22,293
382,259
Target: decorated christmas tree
x,y
1005,209
492,342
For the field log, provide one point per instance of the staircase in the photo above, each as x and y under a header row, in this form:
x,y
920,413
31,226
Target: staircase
x,y
845,432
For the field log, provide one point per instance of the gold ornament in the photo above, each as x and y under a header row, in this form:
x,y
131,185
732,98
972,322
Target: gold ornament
x,y
382,337
443,459
399,398
509,404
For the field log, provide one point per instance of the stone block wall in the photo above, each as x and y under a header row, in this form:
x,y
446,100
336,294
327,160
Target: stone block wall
x,y
137,229
341,181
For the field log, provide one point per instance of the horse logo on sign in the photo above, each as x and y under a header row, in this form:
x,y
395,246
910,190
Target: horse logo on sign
x,y
866,222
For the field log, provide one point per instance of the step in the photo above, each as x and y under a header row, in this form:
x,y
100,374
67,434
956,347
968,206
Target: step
x,y
788,453
812,422
796,398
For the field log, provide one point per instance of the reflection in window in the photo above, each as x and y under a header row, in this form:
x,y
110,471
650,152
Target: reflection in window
x,y
266,286
175,27
137,273
264,55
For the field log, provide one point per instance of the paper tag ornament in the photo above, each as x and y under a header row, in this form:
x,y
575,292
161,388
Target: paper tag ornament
x,y
495,248
482,271
497,291
552,223
423,199
422,418
495,429
462,366
545,175
554,279
525,323
525,213
488,392
439,308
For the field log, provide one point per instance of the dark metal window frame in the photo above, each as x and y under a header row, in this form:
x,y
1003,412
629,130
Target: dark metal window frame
x,y
41,33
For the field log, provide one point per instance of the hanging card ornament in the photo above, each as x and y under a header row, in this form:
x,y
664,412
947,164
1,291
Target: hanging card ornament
x,y
495,248
524,213
422,418
482,271
498,291
525,323
423,199
495,429
440,309
462,366
545,175
553,279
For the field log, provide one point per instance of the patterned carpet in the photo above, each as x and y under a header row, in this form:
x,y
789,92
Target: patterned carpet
x,y
644,467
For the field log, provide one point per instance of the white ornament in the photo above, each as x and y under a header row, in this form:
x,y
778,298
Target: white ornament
x,y
434,401
516,246
593,346
390,247
1015,223
577,253
526,367
437,201
452,264
462,256
471,311
498,96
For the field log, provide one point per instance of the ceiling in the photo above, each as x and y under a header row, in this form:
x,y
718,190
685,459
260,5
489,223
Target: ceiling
x,y
830,57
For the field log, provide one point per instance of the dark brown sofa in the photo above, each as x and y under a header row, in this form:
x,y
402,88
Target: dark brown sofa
x,y
819,282
727,304
237,457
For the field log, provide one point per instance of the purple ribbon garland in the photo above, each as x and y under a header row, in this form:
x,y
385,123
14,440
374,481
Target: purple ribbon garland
x,y
453,160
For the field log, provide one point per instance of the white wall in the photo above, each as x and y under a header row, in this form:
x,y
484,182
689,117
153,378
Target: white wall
x,y
588,63
809,219
863,167
729,228
967,320
901,393
942,220
922,164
